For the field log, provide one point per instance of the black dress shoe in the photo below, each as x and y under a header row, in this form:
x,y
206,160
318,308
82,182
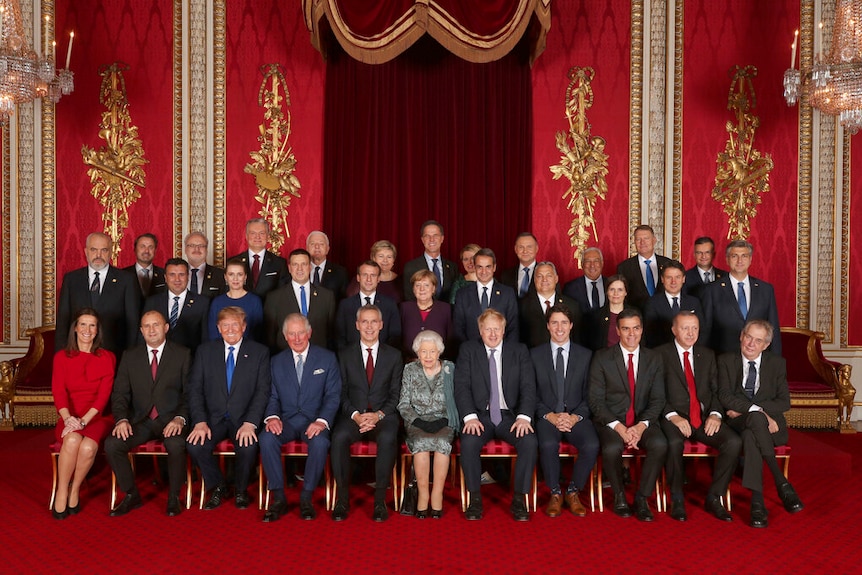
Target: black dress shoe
x,y
474,510
60,514
621,506
758,515
677,511
242,500
216,497
174,507
339,512
421,513
74,510
436,513
788,496
715,507
306,510
381,514
519,509
275,511
642,510
129,502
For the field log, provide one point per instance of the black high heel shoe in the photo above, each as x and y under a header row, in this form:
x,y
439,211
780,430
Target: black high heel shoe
x,y
60,514
73,510
421,513
436,513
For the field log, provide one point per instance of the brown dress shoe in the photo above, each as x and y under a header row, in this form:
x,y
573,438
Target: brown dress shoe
x,y
574,504
555,505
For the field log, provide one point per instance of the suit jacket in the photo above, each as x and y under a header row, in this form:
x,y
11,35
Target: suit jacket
x,y
273,273
447,267
509,277
135,393
576,399
209,400
705,381
191,329
694,281
468,308
658,317
577,290
345,321
533,323
385,389
157,282
282,302
724,321
214,283
118,307
473,379
609,386
334,278
637,292
772,396
317,396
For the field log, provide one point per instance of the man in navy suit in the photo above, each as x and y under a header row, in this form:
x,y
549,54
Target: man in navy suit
x,y
108,290
521,277
228,391
662,307
563,411
149,278
187,313
204,279
589,289
643,270
266,271
306,388
728,303
371,372
703,273
484,293
446,271
368,276
324,272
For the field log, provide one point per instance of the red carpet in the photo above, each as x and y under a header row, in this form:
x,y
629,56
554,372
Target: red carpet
x,y
820,539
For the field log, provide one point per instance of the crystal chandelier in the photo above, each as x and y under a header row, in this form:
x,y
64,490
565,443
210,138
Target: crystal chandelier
x,y
834,84
24,75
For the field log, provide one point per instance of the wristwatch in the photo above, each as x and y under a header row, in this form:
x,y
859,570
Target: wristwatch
x,y
380,416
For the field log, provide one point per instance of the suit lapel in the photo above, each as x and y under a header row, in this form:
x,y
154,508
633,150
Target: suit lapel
x,y
620,361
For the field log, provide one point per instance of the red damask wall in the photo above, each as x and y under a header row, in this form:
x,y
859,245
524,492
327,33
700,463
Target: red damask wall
x,y
852,279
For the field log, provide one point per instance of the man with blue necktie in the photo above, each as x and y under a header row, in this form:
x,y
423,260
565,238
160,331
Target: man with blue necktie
x,y
643,270
446,271
521,277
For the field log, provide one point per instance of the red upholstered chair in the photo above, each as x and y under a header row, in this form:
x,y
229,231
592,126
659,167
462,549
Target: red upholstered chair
x,y
293,448
821,395
407,462
636,456
155,448
25,383
494,449
361,449
695,450
567,450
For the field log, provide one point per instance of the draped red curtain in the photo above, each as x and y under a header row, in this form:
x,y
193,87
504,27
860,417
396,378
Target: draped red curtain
x,y
427,136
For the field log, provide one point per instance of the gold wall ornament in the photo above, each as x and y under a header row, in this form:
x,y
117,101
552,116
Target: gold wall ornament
x,y
583,161
274,163
117,168
742,172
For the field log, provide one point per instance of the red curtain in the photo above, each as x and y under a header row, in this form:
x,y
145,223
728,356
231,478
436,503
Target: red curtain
x,y
427,136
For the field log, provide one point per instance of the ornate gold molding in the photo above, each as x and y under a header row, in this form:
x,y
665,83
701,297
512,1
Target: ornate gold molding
x,y
676,174
177,198
635,110
657,121
219,131
49,182
824,269
6,211
197,110
803,194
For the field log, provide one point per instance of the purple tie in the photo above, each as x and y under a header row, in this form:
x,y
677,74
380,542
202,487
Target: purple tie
x,y
494,402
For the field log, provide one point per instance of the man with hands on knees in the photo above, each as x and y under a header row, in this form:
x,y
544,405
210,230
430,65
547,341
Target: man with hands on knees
x,y
228,391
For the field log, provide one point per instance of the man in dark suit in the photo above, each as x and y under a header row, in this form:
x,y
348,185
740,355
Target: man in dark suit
x,y
662,307
693,412
495,391
521,277
752,387
643,271
589,289
149,402
728,303
324,272
299,296
149,278
303,402
533,309
475,297
563,411
187,313
371,376
629,420
368,276
228,392
445,270
108,290
266,271
703,273
204,279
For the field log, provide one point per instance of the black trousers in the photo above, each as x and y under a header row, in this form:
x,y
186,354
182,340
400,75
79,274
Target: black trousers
x,y
652,441
471,449
117,453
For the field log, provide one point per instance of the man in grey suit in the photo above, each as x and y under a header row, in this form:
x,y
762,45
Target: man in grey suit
x,y
204,279
703,273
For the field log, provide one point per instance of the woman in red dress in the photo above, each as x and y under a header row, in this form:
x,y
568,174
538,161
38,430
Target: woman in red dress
x,y
82,381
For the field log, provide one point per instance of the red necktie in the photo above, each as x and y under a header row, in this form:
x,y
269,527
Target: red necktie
x,y
369,367
693,402
255,269
154,367
630,414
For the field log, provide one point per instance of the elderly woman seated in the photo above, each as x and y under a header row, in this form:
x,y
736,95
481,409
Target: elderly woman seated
x,y
427,406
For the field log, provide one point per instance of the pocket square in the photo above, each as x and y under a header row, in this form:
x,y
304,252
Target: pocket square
x,y
319,371
271,273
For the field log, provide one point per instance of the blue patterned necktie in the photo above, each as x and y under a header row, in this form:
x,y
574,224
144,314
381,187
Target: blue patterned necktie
x,y
299,366
743,303
494,401
229,366
751,379
650,279
303,302
175,312
560,371
484,298
439,274
675,307
95,289
525,283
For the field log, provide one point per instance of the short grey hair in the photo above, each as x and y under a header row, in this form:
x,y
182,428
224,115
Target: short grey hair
x,y
428,335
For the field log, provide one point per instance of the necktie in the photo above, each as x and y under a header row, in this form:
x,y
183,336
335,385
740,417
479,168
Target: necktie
x,y
195,289
229,366
484,298
693,403
751,379
595,296
560,369
675,307
369,366
95,289
316,280
494,401
650,279
303,303
144,280
154,368
175,312
630,414
547,306
438,273
525,283
706,278
300,364
367,300
740,295
255,270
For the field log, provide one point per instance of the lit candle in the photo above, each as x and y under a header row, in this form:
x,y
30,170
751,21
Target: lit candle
x,y
2,13
47,23
53,50
820,39
793,50
69,50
